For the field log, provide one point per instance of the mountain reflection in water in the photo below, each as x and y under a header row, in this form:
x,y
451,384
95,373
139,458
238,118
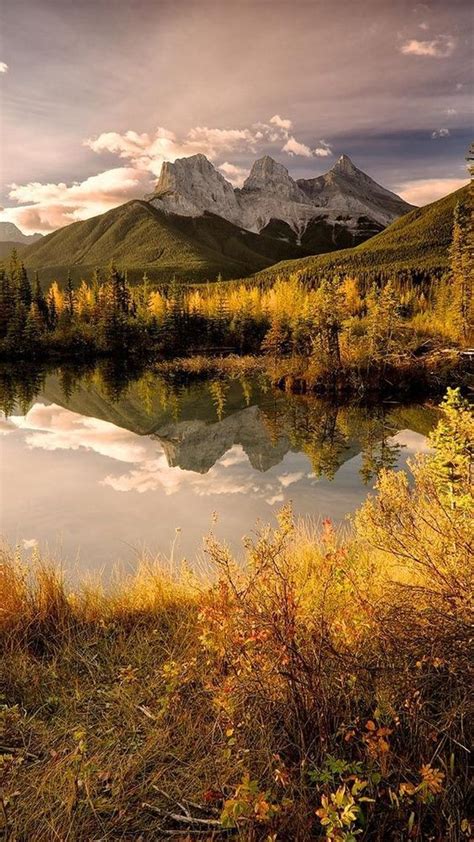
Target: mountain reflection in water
x,y
97,465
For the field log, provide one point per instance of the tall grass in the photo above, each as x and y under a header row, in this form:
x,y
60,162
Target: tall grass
x,y
320,690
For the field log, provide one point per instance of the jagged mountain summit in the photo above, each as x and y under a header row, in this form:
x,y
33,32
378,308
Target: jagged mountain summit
x,y
344,199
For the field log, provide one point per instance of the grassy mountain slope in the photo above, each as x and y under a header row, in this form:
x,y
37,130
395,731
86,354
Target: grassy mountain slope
x,y
418,241
139,237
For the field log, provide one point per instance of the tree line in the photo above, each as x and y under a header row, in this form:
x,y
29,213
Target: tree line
x,y
334,321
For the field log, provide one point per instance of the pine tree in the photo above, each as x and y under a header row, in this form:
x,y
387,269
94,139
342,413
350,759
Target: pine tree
x,y
7,302
70,297
40,302
462,269
25,296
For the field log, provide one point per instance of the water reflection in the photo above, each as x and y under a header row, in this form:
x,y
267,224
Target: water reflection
x,y
100,461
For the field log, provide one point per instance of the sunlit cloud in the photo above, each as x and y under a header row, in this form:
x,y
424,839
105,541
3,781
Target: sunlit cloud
x,y
294,147
276,120
442,46
423,191
440,133
148,152
51,427
46,207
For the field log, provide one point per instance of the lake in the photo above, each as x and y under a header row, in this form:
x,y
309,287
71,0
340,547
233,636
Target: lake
x,y
98,465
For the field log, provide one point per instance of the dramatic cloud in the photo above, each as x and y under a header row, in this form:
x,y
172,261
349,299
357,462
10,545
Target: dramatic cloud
x,y
440,133
423,191
46,207
148,152
440,47
3,67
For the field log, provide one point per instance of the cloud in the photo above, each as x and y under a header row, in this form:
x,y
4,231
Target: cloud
x,y
424,191
46,207
51,427
323,150
276,120
3,67
236,175
440,133
148,152
440,47
294,147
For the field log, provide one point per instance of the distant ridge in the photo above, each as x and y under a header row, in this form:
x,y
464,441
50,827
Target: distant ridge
x,y
10,233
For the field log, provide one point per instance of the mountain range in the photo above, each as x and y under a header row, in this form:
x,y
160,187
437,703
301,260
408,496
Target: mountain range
x,y
196,226
345,195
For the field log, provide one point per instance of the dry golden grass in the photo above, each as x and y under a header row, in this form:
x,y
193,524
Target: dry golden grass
x,y
322,690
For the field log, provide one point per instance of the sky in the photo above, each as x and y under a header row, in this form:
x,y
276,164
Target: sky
x,y
96,94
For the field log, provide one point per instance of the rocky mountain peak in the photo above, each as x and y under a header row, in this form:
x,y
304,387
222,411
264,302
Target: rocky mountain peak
x,y
345,165
266,171
270,177
191,186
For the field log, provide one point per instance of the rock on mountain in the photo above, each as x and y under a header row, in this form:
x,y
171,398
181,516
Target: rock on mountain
x,y
192,186
340,208
9,233
346,189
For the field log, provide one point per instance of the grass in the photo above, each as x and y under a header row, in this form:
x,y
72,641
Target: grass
x,y
322,690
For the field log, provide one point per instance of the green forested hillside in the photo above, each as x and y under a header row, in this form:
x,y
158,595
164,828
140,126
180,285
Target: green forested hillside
x,y
139,238
418,242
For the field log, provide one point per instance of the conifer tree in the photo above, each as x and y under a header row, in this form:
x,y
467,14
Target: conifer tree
x,y
462,270
25,296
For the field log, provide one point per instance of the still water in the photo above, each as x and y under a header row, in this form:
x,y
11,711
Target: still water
x,y
97,467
